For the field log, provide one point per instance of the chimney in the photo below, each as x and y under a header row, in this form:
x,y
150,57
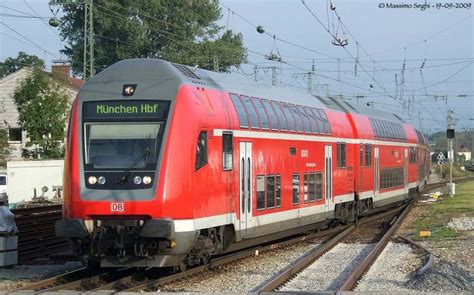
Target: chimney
x,y
61,70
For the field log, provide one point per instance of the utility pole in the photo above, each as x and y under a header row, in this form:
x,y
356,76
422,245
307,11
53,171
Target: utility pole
x,y
88,62
450,136
274,73
216,64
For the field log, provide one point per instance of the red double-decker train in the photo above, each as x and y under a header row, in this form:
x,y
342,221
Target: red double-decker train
x,y
168,165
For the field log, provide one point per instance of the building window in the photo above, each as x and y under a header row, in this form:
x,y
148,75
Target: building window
x,y
341,155
14,134
201,150
296,188
227,151
260,192
368,155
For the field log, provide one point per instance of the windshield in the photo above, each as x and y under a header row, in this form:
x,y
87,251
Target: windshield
x,y
121,145
3,180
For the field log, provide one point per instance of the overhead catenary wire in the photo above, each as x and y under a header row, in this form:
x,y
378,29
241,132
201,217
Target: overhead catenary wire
x,y
343,47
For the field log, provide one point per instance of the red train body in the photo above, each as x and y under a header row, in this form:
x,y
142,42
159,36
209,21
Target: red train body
x,y
168,165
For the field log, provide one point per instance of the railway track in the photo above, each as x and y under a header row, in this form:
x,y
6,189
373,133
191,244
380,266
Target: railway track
x,y
131,280
36,232
292,270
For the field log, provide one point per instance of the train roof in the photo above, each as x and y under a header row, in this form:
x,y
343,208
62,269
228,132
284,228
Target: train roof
x,y
151,73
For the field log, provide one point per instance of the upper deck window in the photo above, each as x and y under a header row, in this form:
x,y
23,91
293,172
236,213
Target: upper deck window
x,y
241,113
298,119
251,111
312,120
281,116
306,121
271,114
289,117
262,113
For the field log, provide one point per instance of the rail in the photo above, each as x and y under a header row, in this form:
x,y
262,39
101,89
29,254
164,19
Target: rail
x,y
36,232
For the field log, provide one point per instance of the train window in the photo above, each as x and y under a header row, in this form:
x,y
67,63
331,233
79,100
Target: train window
x,y
306,121
271,114
341,155
292,151
368,154
361,155
321,125
289,117
309,186
296,188
298,119
312,187
312,120
278,190
227,151
391,177
261,112
270,191
305,187
394,131
319,186
322,113
260,192
253,116
201,150
241,113
412,155
281,116
378,128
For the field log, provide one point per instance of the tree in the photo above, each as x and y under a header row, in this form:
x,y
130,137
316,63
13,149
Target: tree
x,y
11,65
3,147
42,106
179,31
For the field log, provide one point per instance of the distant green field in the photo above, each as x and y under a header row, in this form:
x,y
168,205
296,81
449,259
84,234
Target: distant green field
x,y
439,214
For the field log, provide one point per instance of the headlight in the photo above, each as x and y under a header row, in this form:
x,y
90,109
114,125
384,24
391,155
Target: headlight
x,y
92,180
146,179
101,180
137,180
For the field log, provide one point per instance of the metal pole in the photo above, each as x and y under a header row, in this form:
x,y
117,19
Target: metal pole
x,y
274,76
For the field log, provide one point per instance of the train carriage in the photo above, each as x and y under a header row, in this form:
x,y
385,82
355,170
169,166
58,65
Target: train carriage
x,y
167,165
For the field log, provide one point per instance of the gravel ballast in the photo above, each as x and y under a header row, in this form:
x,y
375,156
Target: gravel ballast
x,y
244,275
21,275
462,223
392,269
330,270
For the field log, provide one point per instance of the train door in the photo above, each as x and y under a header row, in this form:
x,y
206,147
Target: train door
x,y
405,169
246,222
376,171
328,175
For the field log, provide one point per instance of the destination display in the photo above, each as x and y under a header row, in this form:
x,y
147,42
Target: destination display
x,y
136,109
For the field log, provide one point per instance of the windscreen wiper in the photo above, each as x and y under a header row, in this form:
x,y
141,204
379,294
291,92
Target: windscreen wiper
x,y
137,160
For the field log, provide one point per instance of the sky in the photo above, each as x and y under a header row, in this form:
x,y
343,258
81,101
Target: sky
x,y
407,60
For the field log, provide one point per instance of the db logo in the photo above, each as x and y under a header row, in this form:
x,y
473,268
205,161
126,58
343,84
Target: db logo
x,y
117,207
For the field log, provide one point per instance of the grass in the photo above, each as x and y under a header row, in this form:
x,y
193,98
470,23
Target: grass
x,y
439,214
